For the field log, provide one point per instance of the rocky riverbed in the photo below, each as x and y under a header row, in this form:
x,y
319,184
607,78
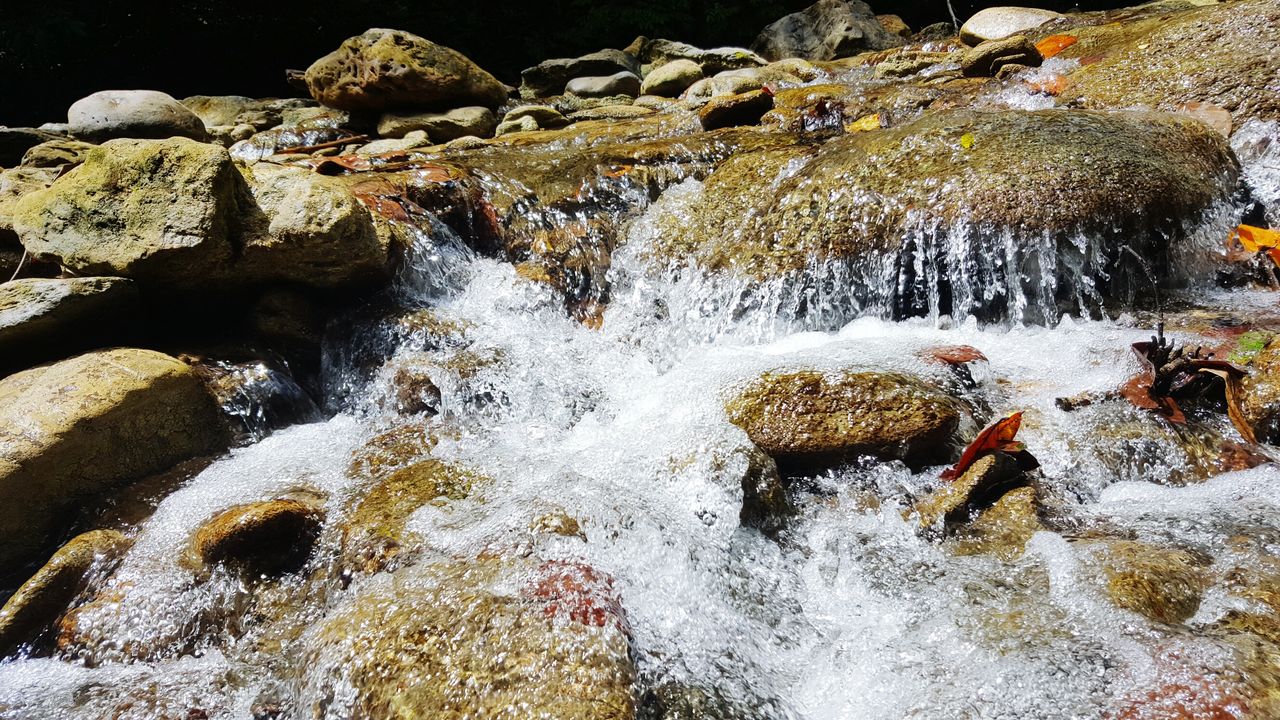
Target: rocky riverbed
x,y
858,372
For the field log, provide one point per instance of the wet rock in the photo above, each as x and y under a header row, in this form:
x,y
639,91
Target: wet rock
x,y
56,153
765,505
74,428
550,77
441,127
826,30
154,210
910,63
35,607
452,640
961,500
734,110
671,79
1163,584
808,421
388,70
1004,528
374,536
557,522
1260,403
1220,55
262,538
544,115
256,395
660,52
132,114
40,318
988,58
623,83
736,82
1000,22
15,142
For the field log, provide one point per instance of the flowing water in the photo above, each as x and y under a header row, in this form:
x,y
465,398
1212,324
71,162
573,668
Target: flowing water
x,y
848,613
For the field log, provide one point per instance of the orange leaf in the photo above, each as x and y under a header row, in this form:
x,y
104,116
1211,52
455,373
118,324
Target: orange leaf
x,y
1055,44
995,436
619,170
1052,85
1255,238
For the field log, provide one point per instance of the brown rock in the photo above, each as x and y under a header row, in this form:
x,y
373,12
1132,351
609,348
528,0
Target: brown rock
x,y
744,109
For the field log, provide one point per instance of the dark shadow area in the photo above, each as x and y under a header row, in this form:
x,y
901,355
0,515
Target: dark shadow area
x,y
55,52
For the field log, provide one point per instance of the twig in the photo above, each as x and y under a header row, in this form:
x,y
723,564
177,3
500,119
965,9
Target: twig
x,y
324,145
18,269
955,22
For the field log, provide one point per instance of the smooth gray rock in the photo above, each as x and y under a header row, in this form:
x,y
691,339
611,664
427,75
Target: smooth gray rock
x,y
623,83
544,115
660,52
550,77
998,23
143,114
671,79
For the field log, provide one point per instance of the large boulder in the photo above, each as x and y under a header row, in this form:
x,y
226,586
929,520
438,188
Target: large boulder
x,y
549,77
75,428
808,420
132,114
826,30
152,210
387,70
40,317
997,23
970,194
480,638
1221,55
179,215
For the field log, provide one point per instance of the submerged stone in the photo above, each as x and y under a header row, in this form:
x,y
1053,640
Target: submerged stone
x,y
454,640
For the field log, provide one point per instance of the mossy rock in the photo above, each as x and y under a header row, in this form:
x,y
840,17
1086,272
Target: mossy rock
x,y
387,70
452,641
974,199
374,536
1260,402
987,482
1223,54
808,420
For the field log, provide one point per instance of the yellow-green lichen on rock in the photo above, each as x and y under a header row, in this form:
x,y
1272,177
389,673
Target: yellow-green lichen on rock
x,y
809,420
71,429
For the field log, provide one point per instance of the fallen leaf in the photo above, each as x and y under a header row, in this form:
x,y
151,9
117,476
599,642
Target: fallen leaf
x,y
619,170
1234,393
966,141
996,436
1055,44
1052,85
864,124
580,592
